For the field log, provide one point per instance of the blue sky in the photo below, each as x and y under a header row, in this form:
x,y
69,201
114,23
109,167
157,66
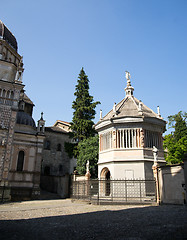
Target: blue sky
x,y
106,37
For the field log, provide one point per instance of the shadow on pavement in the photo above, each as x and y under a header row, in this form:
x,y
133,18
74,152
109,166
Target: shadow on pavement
x,y
163,222
44,195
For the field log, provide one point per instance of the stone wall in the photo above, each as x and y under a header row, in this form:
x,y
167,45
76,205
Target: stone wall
x,y
56,184
55,160
172,184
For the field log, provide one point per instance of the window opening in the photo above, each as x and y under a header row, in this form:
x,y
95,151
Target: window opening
x,y
20,161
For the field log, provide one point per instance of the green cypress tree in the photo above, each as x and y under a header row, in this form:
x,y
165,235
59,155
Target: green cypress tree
x,y
84,109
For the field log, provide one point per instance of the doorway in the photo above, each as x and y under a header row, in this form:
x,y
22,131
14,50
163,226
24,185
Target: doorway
x,y
105,176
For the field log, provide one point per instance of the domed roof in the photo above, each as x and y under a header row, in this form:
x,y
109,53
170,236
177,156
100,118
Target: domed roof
x,y
25,119
130,107
6,34
130,110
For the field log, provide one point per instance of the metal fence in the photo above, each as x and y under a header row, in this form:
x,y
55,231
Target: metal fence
x,y
4,193
114,191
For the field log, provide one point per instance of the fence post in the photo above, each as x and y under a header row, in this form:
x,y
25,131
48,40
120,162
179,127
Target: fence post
x,y
111,189
126,190
140,191
98,192
78,189
155,172
185,176
2,200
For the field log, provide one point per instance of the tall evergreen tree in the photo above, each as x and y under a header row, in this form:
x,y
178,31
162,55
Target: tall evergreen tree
x,y
176,142
84,109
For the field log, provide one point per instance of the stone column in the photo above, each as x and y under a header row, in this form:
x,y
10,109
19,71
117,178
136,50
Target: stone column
x,y
185,173
155,173
87,178
142,138
114,139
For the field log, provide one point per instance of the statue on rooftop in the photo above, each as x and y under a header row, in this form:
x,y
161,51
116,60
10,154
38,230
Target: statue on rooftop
x,y
128,76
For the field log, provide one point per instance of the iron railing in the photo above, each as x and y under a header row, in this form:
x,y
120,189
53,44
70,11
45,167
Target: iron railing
x,y
4,193
114,191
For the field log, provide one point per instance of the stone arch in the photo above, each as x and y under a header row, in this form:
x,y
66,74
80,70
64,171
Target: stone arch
x,y
8,94
4,93
12,95
105,174
105,184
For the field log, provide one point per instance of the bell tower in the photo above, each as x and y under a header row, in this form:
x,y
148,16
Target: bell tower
x,y
11,70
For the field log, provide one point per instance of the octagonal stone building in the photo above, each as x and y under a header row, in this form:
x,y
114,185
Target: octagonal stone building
x,y
127,135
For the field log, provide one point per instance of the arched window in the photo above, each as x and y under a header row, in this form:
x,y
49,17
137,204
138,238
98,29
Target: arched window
x,y
20,161
8,94
12,95
4,93
59,147
47,145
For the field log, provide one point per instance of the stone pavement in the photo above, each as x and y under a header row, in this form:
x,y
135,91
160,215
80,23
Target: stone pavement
x,y
67,219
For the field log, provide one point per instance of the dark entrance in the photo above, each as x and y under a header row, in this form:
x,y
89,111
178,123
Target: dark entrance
x,y
107,191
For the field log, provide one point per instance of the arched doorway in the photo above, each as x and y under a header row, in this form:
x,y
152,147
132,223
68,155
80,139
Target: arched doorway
x,y
105,174
105,183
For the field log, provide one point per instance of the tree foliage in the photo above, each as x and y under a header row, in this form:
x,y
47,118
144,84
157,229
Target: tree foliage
x,y
176,142
84,109
70,149
88,150
86,144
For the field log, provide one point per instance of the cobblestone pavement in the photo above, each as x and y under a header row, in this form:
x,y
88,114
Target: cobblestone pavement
x,y
65,219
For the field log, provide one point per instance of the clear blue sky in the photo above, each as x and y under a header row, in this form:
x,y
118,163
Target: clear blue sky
x,y
106,37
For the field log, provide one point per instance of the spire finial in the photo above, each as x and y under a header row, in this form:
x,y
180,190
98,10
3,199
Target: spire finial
x,y
129,89
41,124
158,111
101,114
128,77
42,114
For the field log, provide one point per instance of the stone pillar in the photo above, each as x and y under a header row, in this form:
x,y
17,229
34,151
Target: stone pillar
x,y
37,168
155,173
185,173
75,173
114,139
87,178
142,138
6,157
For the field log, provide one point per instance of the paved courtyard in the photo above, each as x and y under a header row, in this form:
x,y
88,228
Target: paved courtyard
x,y
64,219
